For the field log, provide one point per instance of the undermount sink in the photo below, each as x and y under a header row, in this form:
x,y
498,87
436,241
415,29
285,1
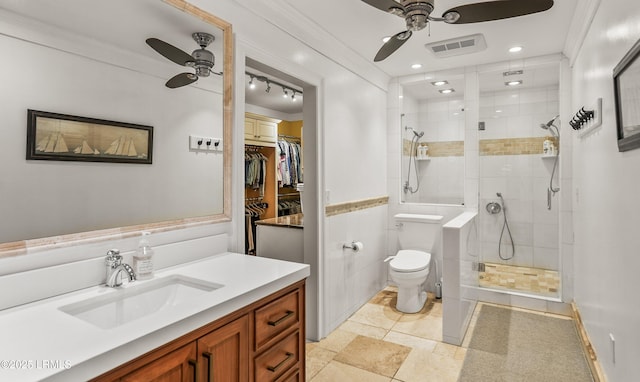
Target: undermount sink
x,y
136,301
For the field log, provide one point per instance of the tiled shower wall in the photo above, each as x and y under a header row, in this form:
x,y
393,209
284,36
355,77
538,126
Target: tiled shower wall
x,y
442,175
511,163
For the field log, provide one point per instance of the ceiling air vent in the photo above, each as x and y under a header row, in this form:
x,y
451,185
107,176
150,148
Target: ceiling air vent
x,y
457,46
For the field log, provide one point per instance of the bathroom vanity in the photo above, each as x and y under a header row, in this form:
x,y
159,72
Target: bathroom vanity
x,y
281,238
225,317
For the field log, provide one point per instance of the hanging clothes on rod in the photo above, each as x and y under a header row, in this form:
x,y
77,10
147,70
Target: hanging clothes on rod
x,y
289,172
255,170
252,212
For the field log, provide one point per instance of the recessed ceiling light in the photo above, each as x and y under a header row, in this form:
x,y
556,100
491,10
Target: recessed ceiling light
x,y
386,38
439,83
400,96
515,49
513,83
498,111
416,66
446,91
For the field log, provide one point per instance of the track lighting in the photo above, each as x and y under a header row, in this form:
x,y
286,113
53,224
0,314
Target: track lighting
x,y
287,91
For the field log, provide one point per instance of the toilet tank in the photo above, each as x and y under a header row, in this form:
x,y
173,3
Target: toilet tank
x,y
418,231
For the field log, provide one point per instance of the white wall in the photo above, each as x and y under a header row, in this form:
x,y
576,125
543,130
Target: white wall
x,y
606,214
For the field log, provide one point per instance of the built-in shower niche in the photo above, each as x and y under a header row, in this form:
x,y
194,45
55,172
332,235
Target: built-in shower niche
x,y
521,254
432,141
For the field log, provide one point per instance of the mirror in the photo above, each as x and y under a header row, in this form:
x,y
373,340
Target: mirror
x,y
432,139
69,59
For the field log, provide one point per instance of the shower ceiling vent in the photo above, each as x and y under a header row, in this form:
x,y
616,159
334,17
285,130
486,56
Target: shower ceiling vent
x,y
457,46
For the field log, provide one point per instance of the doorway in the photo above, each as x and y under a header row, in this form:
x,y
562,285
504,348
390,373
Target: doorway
x,y
280,115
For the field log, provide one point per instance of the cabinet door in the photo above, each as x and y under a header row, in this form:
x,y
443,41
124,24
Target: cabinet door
x,y
177,366
250,128
266,131
224,353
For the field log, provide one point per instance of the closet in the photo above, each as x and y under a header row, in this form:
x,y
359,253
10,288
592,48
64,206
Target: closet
x,y
273,171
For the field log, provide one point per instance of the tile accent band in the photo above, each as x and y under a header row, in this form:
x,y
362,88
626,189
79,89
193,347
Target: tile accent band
x,y
343,208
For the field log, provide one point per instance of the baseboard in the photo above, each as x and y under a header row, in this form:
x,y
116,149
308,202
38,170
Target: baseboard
x,y
592,358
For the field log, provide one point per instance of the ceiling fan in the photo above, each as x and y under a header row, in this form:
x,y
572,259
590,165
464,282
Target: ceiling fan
x,y
417,14
201,59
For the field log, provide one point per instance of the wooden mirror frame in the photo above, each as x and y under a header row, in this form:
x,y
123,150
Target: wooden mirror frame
x,y
61,241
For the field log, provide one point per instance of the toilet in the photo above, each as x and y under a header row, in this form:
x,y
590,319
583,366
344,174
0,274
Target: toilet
x,y
409,268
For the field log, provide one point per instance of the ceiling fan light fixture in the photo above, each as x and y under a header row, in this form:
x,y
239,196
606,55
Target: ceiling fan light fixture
x,y
451,17
396,11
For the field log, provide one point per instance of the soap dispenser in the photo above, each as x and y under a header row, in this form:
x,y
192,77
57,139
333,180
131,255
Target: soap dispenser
x,y
143,258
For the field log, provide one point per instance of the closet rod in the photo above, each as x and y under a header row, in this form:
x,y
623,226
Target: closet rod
x,y
288,136
292,194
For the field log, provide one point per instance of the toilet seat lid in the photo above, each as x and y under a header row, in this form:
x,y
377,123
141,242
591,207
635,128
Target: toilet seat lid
x,y
409,260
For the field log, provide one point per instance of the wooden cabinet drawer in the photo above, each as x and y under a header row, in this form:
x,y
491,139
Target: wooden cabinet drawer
x,y
293,376
280,358
276,317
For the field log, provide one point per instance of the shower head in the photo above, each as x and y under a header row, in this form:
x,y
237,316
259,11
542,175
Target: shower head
x,y
548,125
499,194
416,133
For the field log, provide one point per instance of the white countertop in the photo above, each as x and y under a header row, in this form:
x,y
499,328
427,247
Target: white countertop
x,y
40,342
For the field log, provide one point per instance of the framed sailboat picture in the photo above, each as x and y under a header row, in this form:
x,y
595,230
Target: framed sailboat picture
x,y
52,136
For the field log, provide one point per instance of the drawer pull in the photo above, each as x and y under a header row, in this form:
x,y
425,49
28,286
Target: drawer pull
x,y
279,321
209,357
193,363
276,367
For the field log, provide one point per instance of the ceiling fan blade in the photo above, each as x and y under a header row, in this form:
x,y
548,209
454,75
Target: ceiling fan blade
x,y
385,5
392,45
495,10
181,79
174,54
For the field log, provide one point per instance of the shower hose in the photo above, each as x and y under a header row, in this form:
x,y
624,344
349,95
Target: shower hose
x,y
506,225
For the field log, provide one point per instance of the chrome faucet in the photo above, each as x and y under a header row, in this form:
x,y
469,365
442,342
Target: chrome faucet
x,y
115,267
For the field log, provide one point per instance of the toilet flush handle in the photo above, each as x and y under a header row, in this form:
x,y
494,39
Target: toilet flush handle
x,y
389,259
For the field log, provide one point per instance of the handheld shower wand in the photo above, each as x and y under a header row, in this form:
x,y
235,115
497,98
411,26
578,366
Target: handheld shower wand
x,y
412,154
417,134
548,126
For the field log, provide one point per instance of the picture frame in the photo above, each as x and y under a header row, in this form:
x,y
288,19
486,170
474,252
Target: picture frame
x,y
626,82
62,137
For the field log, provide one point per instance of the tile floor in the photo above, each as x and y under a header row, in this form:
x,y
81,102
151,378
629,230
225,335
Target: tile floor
x,y
543,282
378,343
